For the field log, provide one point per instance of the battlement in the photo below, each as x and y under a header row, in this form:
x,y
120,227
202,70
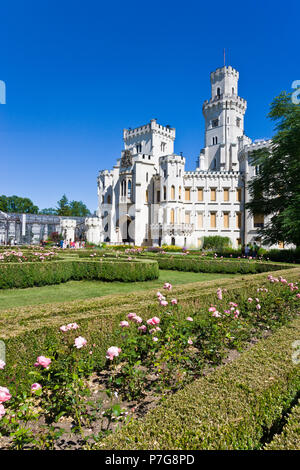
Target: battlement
x,y
221,72
153,126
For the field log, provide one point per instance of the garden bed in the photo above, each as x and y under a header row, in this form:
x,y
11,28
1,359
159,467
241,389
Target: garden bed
x,y
184,341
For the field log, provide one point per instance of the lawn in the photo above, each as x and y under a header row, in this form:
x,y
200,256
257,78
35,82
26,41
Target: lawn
x,y
73,290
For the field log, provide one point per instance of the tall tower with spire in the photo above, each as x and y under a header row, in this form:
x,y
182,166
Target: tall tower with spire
x,y
224,122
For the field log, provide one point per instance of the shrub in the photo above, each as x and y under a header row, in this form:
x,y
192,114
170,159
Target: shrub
x,y
216,242
39,274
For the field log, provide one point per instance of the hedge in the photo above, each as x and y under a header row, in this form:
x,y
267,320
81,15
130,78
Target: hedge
x,y
39,274
232,408
289,438
215,266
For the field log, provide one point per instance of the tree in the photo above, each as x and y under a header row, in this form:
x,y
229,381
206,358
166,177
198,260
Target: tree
x,y
275,191
48,211
63,206
79,209
17,204
72,208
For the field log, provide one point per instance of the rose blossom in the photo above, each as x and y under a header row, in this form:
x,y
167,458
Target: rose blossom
x,y
153,321
35,386
174,302
142,328
4,394
167,286
112,352
137,319
131,316
164,303
2,364
189,319
124,324
43,361
2,411
80,342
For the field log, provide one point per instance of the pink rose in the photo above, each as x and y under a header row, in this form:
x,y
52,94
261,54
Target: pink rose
x,y
72,326
174,302
167,286
4,394
130,316
190,341
112,352
155,339
2,364
137,319
164,303
80,342
153,321
43,361
142,328
64,328
258,307
2,411
35,387
219,293
124,324
189,319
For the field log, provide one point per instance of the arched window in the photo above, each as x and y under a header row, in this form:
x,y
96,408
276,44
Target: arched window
x,y
129,188
109,199
123,188
172,216
218,92
147,177
147,197
179,192
165,193
172,193
232,90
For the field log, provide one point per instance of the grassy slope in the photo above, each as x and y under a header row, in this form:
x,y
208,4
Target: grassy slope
x,y
73,290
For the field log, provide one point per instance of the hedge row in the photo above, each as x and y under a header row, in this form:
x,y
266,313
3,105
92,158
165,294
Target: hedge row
x,y
234,407
199,265
289,438
40,274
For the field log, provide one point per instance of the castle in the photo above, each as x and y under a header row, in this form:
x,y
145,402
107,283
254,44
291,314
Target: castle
x,y
149,199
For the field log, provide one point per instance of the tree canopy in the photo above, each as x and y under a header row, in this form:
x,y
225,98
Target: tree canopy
x,y
17,204
275,191
25,206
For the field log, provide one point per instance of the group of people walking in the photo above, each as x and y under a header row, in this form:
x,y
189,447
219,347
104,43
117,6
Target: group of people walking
x,y
249,250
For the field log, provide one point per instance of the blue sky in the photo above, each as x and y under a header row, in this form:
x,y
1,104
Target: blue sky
x,y
77,73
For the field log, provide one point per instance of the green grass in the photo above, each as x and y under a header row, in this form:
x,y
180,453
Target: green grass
x,y
74,290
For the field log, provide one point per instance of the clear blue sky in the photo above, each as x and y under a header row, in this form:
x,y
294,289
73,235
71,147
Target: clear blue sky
x,y
78,72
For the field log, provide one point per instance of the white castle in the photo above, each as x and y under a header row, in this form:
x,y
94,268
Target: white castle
x,y
149,199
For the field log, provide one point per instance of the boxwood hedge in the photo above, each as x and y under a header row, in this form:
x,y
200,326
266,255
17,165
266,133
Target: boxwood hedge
x,y
39,274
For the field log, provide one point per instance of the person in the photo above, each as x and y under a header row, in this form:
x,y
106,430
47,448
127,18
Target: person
x,y
255,249
247,250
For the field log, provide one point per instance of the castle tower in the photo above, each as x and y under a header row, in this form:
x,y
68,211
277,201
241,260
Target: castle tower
x,y
224,122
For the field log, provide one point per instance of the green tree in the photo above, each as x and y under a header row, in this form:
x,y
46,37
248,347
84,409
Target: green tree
x,y
79,209
275,191
63,207
21,205
48,211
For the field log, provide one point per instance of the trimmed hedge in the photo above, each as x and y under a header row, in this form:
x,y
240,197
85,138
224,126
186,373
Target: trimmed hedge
x,y
199,265
232,408
39,274
289,438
